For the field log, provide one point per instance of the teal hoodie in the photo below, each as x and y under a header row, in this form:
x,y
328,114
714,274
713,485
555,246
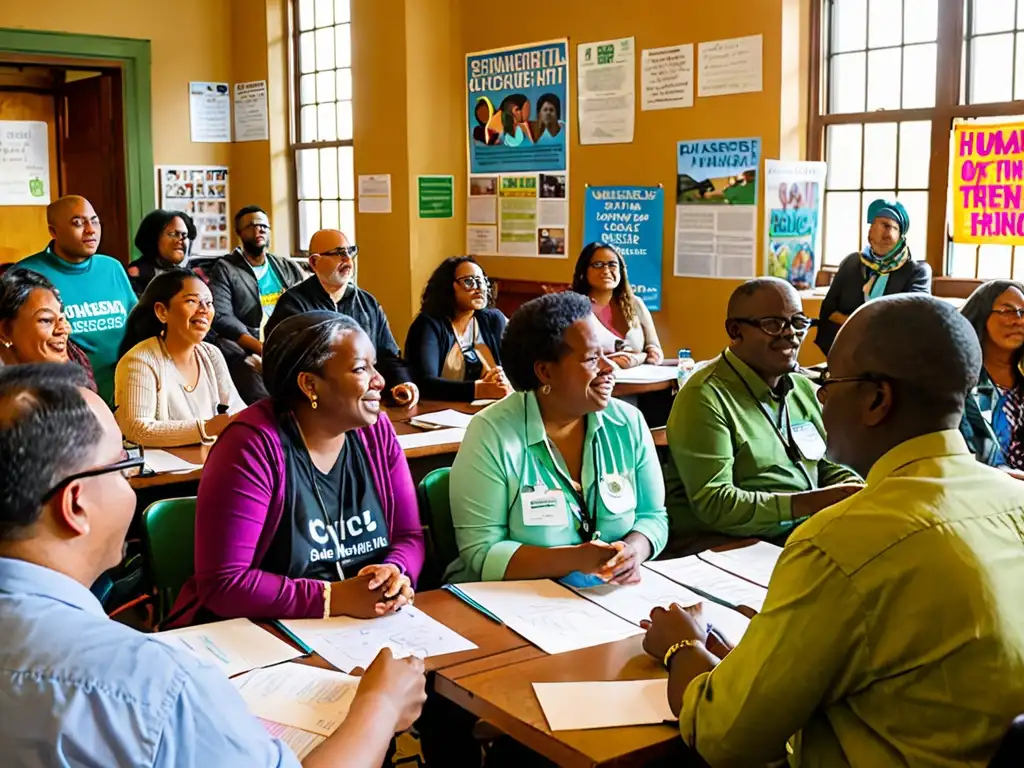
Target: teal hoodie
x,y
97,298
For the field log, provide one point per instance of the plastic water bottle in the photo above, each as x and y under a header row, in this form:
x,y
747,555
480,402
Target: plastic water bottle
x,y
685,367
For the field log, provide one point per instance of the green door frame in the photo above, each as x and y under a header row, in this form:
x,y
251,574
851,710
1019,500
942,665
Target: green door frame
x,y
133,57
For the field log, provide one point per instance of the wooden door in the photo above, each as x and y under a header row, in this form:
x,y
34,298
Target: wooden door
x,y
91,144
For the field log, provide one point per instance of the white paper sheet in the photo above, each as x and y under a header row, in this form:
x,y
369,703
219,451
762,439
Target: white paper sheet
x,y
666,77
299,695
24,163
209,109
548,615
634,602
162,461
708,580
375,193
299,741
576,706
434,437
754,563
729,66
446,418
481,240
233,646
349,643
645,374
607,97
251,111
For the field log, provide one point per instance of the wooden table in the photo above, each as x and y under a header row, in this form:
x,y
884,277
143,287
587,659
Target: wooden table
x,y
628,390
193,454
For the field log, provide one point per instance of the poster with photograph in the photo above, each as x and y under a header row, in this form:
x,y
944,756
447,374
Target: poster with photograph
x,y
793,193
716,207
201,191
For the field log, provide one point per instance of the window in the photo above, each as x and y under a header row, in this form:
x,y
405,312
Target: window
x,y
322,130
888,82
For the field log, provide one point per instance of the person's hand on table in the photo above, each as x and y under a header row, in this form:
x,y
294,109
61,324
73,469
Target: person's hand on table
x,y
213,427
396,585
406,395
397,686
353,597
624,360
668,626
491,390
655,356
592,556
624,567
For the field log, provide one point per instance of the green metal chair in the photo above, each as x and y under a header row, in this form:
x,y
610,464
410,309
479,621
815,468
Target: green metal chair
x,y
436,517
169,532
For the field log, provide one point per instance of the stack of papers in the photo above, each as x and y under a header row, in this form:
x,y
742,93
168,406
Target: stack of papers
x,y
162,461
427,439
711,582
439,419
575,706
646,374
754,563
233,646
348,643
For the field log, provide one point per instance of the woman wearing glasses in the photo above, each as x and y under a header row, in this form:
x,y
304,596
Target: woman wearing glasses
x,y
170,387
993,422
453,346
164,238
601,274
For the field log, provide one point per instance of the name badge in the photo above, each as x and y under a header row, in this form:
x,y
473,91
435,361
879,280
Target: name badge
x,y
544,506
617,493
809,441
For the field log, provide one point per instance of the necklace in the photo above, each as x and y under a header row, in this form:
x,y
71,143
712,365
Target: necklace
x,y
195,356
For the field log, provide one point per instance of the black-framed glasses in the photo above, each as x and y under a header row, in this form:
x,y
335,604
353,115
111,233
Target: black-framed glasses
x,y
827,380
263,227
776,326
612,265
348,252
1009,314
129,467
472,282
182,236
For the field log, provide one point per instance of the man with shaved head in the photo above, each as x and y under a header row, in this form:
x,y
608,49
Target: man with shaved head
x,y
745,434
332,259
246,285
95,289
893,630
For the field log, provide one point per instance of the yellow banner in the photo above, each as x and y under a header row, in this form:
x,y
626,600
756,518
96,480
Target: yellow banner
x,y
988,182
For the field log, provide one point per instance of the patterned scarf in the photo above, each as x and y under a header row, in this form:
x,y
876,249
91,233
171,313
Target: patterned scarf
x,y
1013,411
879,267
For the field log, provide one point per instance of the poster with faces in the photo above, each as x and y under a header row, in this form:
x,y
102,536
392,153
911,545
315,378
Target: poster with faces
x,y
201,191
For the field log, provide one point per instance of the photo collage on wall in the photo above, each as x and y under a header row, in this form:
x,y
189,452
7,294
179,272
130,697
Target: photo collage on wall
x,y
202,192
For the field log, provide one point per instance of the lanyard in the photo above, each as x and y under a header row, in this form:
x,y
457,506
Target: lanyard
x,y
316,493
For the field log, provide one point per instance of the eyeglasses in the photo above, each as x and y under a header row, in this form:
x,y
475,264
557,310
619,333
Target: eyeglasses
x,y
341,252
827,381
776,326
1009,314
612,265
264,227
81,221
181,236
128,466
472,282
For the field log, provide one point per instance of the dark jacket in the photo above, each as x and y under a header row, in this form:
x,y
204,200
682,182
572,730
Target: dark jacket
x,y
428,344
142,271
357,304
847,292
236,293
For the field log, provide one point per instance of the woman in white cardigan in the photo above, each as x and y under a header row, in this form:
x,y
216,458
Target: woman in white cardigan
x,y
171,388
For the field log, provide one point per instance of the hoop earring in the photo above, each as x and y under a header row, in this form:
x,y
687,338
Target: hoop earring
x,y
546,389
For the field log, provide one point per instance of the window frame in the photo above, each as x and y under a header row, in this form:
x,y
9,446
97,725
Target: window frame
x,y
950,71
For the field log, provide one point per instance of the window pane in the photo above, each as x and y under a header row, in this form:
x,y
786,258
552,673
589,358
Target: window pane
x,y
346,173
307,124
994,261
329,215
961,260
916,204
991,61
344,79
1018,264
885,27
1018,78
325,86
884,79
325,120
849,25
880,155
846,90
344,119
919,76
915,154
307,89
348,219
329,172
843,143
342,12
307,53
324,49
324,13
993,16
842,225
309,220
342,34
920,21
308,174
305,15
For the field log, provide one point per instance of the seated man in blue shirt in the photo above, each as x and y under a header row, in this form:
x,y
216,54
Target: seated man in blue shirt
x,y
80,689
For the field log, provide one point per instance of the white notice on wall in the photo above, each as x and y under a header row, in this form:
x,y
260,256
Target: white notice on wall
x,y
729,66
24,163
607,101
375,193
209,106
251,111
666,77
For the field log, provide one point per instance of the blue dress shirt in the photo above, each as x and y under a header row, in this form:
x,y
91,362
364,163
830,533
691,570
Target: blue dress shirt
x,y
77,689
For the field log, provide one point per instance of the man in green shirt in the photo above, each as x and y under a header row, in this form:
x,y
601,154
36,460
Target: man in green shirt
x,y
745,434
893,630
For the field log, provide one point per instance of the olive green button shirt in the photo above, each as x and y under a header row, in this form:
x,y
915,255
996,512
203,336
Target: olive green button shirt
x,y
893,631
728,470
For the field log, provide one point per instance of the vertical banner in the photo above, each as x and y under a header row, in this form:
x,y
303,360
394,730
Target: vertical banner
x,y
633,220
988,176
716,207
518,150
792,219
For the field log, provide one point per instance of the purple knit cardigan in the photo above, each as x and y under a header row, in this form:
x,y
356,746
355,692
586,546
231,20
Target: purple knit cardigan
x,y
241,502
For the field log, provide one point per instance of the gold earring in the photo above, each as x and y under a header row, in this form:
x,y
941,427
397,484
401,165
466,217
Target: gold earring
x,y
546,389
313,401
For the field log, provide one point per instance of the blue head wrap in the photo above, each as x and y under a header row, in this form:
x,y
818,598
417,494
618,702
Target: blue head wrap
x,y
890,209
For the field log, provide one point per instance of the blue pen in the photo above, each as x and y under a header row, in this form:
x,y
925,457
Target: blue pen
x,y
293,637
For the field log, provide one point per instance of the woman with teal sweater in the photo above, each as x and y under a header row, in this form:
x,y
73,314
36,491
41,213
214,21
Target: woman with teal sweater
x,y
558,480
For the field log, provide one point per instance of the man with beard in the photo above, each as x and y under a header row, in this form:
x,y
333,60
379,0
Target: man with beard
x,y
246,285
745,435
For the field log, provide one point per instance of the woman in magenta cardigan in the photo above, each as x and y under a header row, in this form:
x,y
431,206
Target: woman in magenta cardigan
x,y
307,508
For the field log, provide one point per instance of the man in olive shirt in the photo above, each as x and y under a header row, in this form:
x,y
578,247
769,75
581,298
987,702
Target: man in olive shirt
x,y
893,630
745,434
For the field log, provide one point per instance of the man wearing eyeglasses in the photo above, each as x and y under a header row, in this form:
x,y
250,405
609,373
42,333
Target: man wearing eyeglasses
x,y
95,289
745,434
80,689
246,285
332,259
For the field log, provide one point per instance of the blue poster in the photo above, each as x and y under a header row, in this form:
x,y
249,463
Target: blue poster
x,y
633,220
518,108
718,171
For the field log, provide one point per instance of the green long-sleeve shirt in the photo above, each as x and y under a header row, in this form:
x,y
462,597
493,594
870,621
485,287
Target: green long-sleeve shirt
x,y
729,471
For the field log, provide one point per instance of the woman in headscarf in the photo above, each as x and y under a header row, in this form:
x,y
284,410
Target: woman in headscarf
x,y
165,239
883,268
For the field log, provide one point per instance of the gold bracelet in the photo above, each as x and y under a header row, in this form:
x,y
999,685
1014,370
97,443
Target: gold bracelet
x,y
327,599
678,647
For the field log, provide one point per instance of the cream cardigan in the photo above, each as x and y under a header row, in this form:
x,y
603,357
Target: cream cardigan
x,y
152,407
